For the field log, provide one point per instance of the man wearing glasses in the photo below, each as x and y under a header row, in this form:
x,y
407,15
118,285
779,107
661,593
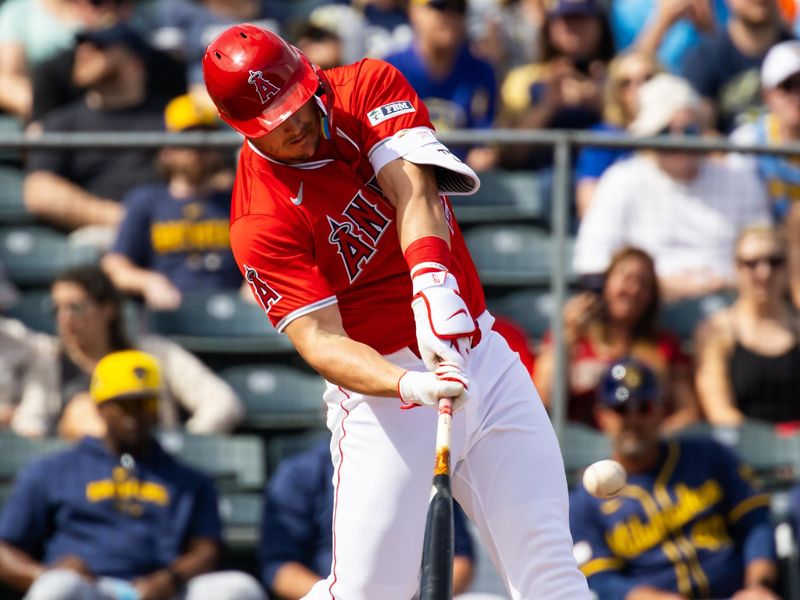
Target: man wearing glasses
x,y
690,523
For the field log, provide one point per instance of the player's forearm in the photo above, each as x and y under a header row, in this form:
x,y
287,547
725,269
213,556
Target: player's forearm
x,y
52,197
413,191
293,581
17,569
349,364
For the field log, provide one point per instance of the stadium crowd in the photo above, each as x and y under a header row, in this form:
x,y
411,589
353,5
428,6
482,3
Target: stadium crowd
x,y
657,235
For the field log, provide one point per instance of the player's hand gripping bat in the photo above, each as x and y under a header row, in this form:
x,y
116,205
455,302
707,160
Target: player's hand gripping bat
x,y
436,582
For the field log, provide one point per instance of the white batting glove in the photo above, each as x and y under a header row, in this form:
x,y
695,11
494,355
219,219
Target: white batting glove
x,y
425,389
445,328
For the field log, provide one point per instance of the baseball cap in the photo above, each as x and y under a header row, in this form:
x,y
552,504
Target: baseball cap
x,y
628,382
562,8
459,6
659,99
119,34
125,375
781,62
183,113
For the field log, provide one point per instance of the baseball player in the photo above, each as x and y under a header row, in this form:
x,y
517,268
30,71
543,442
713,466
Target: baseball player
x,y
339,219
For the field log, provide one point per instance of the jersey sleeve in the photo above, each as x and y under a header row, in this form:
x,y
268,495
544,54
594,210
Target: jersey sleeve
x,y
23,522
276,258
133,235
394,123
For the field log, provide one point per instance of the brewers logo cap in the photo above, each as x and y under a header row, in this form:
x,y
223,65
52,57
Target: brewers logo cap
x,y
628,382
125,375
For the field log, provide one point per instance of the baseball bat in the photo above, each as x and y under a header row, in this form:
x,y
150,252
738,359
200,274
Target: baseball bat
x,y
436,580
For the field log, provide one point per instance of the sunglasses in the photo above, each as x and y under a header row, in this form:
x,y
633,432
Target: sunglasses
x,y
626,82
690,129
790,85
74,308
634,408
775,261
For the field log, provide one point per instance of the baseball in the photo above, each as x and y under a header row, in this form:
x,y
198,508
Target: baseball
x,y
604,479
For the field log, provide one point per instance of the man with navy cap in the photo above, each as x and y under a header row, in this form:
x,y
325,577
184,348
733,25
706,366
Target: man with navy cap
x,y
690,523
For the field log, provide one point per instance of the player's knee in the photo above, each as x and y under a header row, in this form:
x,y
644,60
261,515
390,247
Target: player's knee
x,y
225,585
59,584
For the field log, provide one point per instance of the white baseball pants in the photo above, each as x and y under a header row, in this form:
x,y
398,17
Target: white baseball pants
x,y
508,476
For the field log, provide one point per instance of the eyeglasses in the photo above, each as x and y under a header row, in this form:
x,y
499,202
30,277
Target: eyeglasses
x,y
690,129
76,309
775,261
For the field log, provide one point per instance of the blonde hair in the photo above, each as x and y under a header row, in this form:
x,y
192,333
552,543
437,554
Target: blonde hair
x,y
614,111
776,234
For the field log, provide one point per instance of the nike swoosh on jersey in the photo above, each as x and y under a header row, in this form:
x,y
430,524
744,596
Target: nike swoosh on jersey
x,y
298,200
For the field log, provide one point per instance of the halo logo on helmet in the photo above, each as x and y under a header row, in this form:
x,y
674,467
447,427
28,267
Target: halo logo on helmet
x,y
265,89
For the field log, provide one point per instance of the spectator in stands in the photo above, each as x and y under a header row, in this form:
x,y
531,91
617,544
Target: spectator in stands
x,y
684,209
31,32
53,85
73,189
724,69
690,523
296,543
665,29
748,354
565,89
458,89
89,319
508,33
621,320
322,46
626,74
174,237
117,517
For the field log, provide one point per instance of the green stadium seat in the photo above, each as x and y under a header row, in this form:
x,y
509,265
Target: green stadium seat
x,y
285,445
532,309
34,308
219,321
35,255
235,462
582,445
241,518
503,196
12,205
683,317
513,255
16,452
278,397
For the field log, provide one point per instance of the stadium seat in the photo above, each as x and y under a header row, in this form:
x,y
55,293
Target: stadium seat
x,y
235,462
16,452
278,397
532,309
503,196
34,255
219,321
34,309
513,255
683,317
285,445
582,445
12,205
241,517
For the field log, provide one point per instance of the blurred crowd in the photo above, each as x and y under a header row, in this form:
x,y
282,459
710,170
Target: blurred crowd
x,y
652,229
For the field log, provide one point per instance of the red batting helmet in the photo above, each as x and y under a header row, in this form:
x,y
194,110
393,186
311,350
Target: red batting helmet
x,y
256,79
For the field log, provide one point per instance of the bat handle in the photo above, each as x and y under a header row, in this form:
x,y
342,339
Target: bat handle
x,y
444,430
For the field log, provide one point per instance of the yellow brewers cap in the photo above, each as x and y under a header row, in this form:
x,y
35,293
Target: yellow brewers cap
x,y
126,374
184,113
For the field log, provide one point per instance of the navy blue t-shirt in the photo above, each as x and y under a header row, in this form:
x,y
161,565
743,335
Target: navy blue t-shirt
x,y
593,161
186,240
121,523
298,512
465,98
719,71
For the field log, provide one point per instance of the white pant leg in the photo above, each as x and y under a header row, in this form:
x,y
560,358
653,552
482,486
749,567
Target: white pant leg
x,y
62,584
511,481
383,461
224,585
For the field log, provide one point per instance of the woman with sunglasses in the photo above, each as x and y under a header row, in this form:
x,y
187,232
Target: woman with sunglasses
x,y
748,355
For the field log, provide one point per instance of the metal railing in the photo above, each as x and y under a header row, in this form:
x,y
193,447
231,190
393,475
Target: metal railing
x,y
562,142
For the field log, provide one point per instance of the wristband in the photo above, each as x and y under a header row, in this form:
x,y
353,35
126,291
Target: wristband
x,y
429,253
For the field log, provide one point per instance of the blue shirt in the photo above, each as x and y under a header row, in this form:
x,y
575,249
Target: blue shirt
x,y
298,513
184,240
629,17
465,98
690,525
121,523
592,161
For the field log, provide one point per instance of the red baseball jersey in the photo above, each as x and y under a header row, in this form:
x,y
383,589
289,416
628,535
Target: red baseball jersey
x,y
313,234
